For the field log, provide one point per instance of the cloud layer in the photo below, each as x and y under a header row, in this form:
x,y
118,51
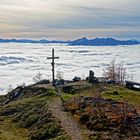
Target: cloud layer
x,y
67,19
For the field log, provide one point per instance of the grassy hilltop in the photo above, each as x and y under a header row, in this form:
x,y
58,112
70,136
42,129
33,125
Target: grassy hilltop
x,y
28,117
83,111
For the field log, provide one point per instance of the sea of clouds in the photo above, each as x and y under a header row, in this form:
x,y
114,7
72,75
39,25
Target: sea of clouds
x,y
19,62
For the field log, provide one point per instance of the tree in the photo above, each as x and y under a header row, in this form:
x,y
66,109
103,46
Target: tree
x,y
37,77
120,73
109,71
115,72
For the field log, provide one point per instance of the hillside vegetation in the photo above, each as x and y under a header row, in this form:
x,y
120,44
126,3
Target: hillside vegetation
x,y
81,111
29,118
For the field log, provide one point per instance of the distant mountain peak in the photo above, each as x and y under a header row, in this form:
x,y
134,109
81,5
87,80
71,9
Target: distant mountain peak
x,y
103,42
81,41
84,38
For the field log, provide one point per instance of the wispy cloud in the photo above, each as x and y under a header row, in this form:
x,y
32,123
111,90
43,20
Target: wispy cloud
x,y
69,18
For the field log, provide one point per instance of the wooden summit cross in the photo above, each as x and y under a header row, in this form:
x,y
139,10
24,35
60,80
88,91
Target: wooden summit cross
x,y
52,63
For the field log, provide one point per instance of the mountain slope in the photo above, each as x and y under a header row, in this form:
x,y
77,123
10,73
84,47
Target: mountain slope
x,y
25,115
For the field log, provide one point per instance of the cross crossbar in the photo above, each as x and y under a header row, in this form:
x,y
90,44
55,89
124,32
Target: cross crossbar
x,y
52,57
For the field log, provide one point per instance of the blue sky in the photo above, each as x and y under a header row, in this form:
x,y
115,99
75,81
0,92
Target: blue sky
x,y
69,19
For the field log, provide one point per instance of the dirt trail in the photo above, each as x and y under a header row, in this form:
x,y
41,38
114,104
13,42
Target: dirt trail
x,y
67,122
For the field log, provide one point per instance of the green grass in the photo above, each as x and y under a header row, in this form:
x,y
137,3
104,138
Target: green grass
x,y
124,94
85,92
106,91
10,131
29,118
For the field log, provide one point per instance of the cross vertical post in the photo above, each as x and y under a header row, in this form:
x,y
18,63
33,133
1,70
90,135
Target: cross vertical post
x,y
53,72
53,64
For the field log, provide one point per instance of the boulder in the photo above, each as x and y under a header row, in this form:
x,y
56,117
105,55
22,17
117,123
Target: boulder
x,y
68,89
15,93
76,79
92,78
111,82
44,81
58,82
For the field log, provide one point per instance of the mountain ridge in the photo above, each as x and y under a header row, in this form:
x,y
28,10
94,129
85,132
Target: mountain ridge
x,y
81,41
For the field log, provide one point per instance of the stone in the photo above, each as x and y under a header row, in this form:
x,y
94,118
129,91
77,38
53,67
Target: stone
x,y
87,98
44,81
68,89
91,73
111,82
76,79
16,93
58,82
92,78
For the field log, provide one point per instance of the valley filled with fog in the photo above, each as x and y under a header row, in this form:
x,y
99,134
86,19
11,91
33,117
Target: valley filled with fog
x,y
20,62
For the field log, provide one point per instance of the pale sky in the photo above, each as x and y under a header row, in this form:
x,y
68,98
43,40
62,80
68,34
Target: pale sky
x,y
69,19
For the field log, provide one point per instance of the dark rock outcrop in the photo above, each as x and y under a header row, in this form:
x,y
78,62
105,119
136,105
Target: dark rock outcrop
x,y
57,82
44,81
76,79
91,78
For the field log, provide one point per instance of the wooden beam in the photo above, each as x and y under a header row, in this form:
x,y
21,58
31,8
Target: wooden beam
x,y
52,63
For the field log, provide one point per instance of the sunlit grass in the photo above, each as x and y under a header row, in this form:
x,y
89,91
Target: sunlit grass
x,y
124,94
106,91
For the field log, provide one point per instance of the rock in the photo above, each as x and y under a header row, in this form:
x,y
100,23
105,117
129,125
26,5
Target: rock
x,y
68,89
111,82
9,112
92,78
16,93
44,81
62,81
91,73
76,79
87,98
58,82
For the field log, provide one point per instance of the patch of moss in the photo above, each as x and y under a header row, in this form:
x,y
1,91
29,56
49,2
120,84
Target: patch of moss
x,y
50,130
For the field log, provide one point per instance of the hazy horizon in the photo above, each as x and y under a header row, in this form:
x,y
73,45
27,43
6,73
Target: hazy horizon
x,y
72,39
